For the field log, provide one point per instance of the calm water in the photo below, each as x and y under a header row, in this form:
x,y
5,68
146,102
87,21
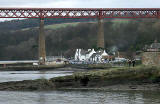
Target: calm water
x,y
80,97
69,97
6,76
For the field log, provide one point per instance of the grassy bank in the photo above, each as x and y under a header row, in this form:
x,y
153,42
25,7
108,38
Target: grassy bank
x,y
124,75
144,77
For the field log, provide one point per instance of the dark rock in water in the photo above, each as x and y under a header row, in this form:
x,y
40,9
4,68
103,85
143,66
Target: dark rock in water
x,y
84,81
133,87
32,88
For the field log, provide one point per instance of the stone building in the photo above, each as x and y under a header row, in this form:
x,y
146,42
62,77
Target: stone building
x,y
151,54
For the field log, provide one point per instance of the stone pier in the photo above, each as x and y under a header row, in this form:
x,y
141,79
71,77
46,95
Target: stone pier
x,y
100,37
42,51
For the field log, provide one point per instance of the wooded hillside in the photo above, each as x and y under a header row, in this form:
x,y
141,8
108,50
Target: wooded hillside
x,y
19,39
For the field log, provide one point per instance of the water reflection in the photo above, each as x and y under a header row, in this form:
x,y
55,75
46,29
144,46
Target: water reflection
x,y
80,97
42,98
153,97
42,74
6,76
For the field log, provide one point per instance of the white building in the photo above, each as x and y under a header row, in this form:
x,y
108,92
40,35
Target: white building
x,y
90,55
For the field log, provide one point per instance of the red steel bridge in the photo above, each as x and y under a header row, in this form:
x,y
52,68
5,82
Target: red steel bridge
x,y
79,12
98,13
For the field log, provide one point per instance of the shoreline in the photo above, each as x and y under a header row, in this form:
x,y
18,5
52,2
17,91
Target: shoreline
x,y
138,78
62,67
31,67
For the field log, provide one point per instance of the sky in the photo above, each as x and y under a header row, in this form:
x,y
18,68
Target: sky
x,y
79,4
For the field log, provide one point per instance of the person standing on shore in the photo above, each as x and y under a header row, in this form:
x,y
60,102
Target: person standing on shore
x,y
129,62
133,62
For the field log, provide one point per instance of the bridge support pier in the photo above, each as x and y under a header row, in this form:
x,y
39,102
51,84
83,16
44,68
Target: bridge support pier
x,y
42,51
100,37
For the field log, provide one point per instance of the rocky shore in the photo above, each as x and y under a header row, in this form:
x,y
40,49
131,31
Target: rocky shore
x,y
123,78
91,66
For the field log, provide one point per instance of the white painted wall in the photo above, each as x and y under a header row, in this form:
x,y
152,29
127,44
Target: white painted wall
x,y
97,58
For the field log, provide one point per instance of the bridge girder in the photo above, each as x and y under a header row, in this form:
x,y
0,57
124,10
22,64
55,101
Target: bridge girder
x,y
79,12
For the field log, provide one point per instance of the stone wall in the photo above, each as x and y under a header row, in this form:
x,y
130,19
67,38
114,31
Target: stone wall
x,y
151,58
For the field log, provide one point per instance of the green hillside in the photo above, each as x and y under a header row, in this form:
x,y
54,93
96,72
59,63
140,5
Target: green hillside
x,y
63,39
63,25
54,26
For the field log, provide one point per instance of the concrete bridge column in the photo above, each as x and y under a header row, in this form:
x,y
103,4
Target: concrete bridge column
x,y
42,51
100,37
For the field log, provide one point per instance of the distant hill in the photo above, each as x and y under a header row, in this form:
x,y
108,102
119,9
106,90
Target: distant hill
x,y
28,23
19,38
54,26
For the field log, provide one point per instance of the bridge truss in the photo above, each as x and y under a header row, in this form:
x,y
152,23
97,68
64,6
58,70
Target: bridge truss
x,y
79,12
